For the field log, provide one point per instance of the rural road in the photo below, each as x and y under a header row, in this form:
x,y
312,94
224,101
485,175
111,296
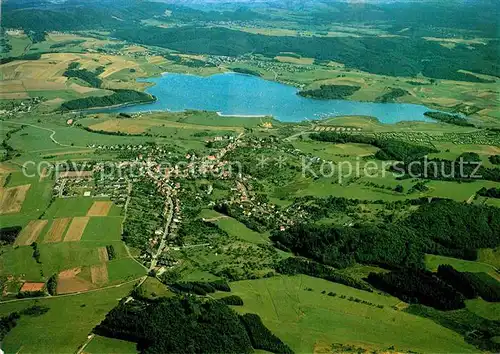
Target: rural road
x,y
52,133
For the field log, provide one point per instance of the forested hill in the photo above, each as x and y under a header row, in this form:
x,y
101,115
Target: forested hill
x,y
194,31
386,56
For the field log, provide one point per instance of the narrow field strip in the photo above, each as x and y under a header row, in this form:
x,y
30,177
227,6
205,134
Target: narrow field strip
x,y
30,233
76,229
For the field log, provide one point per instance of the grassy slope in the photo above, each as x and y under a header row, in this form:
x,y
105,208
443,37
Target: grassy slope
x,y
305,319
65,327
104,345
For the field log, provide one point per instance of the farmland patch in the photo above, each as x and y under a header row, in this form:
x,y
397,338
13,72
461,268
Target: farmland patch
x,y
28,287
30,233
99,274
56,230
72,280
12,198
100,208
76,229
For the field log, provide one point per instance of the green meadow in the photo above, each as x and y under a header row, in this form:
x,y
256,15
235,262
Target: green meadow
x,y
104,345
296,310
65,326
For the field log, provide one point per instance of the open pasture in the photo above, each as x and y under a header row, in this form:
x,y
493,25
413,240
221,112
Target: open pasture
x,y
490,256
30,233
103,230
105,345
432,262
236,228
308,319
11,200
65,326
69,207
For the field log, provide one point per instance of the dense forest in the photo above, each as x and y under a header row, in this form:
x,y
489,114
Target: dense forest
x,y
490,192
118,97
175,325
449,118
8,234
445,290
392,95
330,92
495,159
188,325
439,227
418,286
90,77
385,56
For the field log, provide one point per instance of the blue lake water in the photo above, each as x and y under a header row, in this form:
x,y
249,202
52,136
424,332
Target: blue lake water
x,y
238,94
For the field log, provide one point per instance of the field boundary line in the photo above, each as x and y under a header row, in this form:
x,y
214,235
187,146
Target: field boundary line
x,y
75,293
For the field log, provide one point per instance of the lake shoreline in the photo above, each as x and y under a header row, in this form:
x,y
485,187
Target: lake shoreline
x,y
241,95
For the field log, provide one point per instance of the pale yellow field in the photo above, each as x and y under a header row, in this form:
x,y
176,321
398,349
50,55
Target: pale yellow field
x,y
11,199
303,61
46,74
76,229
99,208
14,95
135,126
56,230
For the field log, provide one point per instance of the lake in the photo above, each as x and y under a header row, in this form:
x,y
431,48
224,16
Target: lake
x,y
245,95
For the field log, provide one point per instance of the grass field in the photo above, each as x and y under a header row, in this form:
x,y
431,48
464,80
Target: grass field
x,y
490,310
102,229
124,269
104,345
65,326
309,320
236,228
433,261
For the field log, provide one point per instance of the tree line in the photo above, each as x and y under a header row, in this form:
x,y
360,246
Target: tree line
x,y
330,92
445,290
188,324
295,265
390,149
119,97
